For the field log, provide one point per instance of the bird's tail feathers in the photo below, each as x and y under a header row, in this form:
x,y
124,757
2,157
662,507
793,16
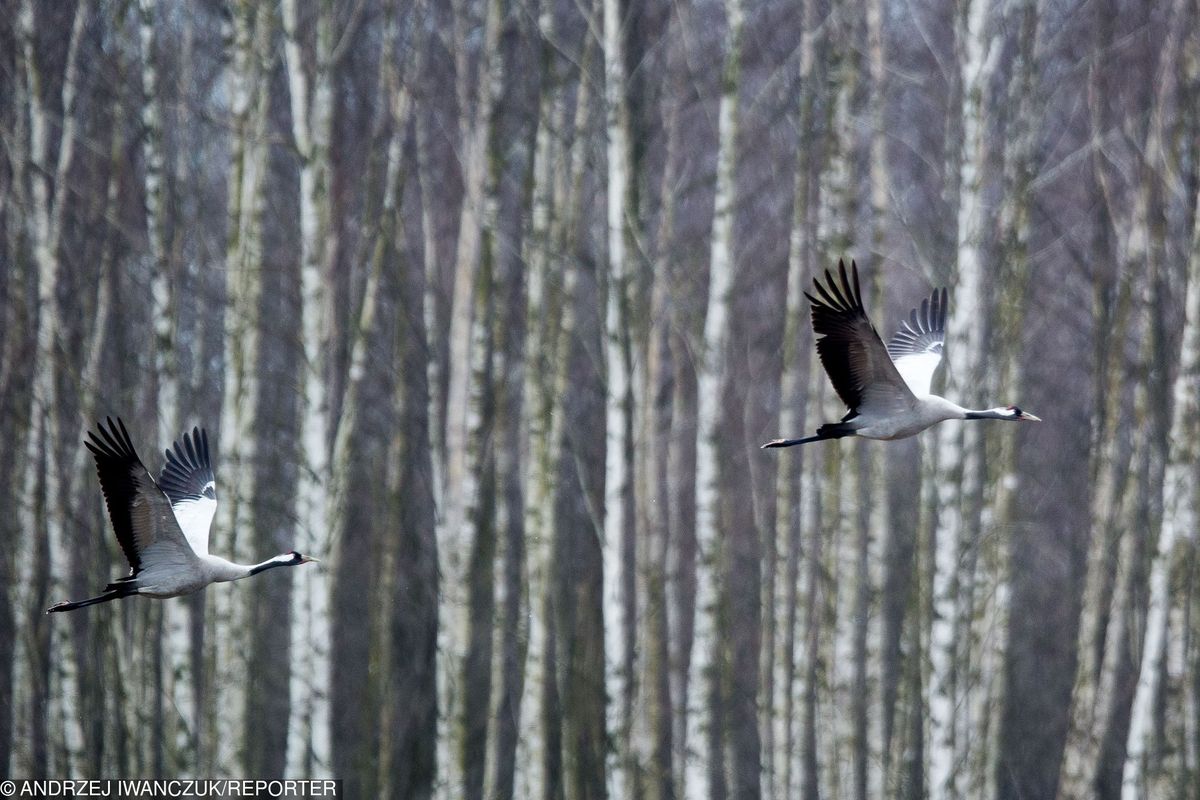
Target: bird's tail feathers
x,y
830,430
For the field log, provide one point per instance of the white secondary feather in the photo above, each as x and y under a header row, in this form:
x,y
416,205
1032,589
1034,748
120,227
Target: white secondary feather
x,y
187,479
916,349
916,369
195,516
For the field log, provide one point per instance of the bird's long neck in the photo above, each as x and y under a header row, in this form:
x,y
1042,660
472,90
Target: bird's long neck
x,y
987,413
284,560
223,570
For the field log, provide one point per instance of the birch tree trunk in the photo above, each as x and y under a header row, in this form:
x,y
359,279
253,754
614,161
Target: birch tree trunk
x,y
960,459
220,729
156,191
309,90
794,401
410,716
457,491
1126,486
705,778
474,695
1115,317
511,469
477,125
1180,504
45,496
620,525
557,300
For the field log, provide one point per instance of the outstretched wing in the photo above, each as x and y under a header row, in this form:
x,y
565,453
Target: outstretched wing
x,y
852,352
916,348
141,514
187,478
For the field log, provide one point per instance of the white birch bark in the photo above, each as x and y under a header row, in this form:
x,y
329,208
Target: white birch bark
x,y
875,466
311,103
808,781
432,267
476,135
711,376
454,534
1103,615
794,389
957,445
1179,523
551,290
49,194
529,780
176,643
220,733
154,185
1107,618
618,516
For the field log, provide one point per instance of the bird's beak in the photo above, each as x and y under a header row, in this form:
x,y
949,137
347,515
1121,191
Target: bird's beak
x,y
309,559
1025,417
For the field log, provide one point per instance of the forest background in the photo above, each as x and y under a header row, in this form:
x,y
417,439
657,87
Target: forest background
x,y
489,304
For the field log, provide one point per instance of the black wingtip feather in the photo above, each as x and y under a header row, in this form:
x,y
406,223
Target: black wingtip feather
x,y
188,469
116,465
841,323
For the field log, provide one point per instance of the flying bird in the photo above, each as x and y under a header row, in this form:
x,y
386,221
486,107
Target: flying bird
x,y
163,527
885,388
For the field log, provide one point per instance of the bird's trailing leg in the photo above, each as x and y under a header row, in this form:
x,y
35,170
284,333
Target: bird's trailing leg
x,y
790,442
831,430
112,594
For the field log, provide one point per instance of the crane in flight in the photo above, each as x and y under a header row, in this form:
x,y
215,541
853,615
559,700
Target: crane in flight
x,y
163,526
885,388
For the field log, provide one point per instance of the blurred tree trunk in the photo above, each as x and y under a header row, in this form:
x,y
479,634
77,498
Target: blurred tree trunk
x,y
1180,503
620,519
512,463
156,191
797,374
1178,497
1130,472
658,763
1037,572
1114,319
410,713
359,500
558,170
275,417
961,461
656,716
222,729
46,498
86,549
576,570
682,559
577,567
814,591
541,332
476,125
309,88
709,665
18,283
480,487
14,419
517,125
